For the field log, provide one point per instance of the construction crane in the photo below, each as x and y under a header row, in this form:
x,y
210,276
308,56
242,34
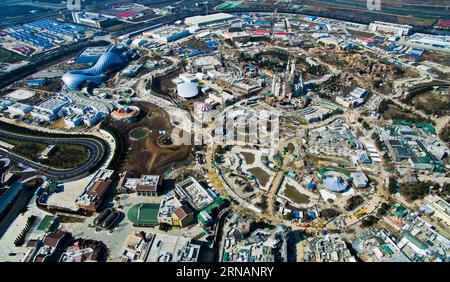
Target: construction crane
x,y
206,6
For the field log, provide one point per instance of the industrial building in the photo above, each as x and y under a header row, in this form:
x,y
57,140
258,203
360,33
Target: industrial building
x,y
91,54
93,19
384,27
167,33
44,34
427,42
20,109
49,109
207,20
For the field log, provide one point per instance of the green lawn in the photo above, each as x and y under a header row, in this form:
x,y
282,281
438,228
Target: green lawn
x,y
139,133
144,214
9,57
62,156
67,156
29,150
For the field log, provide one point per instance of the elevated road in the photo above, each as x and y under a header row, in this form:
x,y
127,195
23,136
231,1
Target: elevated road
x,y
95,147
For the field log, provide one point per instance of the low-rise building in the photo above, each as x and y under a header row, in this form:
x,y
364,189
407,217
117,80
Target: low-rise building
x,y
49,109
223,98
147,185
19,109
191,192
384,27
94,193
440,208
360,180
168,248
93,19
183,216
332,248
169,204
167,33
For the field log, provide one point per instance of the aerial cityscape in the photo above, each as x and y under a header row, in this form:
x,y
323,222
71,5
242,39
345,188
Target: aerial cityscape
x,y
225,131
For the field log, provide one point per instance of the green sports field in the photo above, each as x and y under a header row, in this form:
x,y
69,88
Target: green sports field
x,y
9,57
144,214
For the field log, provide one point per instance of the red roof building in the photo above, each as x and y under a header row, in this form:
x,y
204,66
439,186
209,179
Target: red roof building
x,y
443,23
259,32
183,216
92,199
125,15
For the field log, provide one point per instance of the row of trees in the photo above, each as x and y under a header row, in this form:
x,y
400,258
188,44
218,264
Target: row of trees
x,y
121,145
20,240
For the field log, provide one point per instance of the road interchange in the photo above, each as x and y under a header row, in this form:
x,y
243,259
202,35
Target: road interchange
x,y
96,149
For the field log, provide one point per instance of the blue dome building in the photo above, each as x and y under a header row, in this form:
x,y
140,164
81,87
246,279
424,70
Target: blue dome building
x,y
95,74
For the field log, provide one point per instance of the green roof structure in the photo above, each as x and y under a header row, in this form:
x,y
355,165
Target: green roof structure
x,y
53,187
400,211
416,241
144,214
46,223
387,250
218,202
278,158
202,219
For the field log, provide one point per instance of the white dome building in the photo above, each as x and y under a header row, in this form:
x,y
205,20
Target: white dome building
x,y
187,90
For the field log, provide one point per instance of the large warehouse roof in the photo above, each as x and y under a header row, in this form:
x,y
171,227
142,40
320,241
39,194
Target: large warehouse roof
x,y
187,89
203,20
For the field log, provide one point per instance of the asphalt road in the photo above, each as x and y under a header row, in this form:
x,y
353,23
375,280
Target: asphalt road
x,y
95,148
